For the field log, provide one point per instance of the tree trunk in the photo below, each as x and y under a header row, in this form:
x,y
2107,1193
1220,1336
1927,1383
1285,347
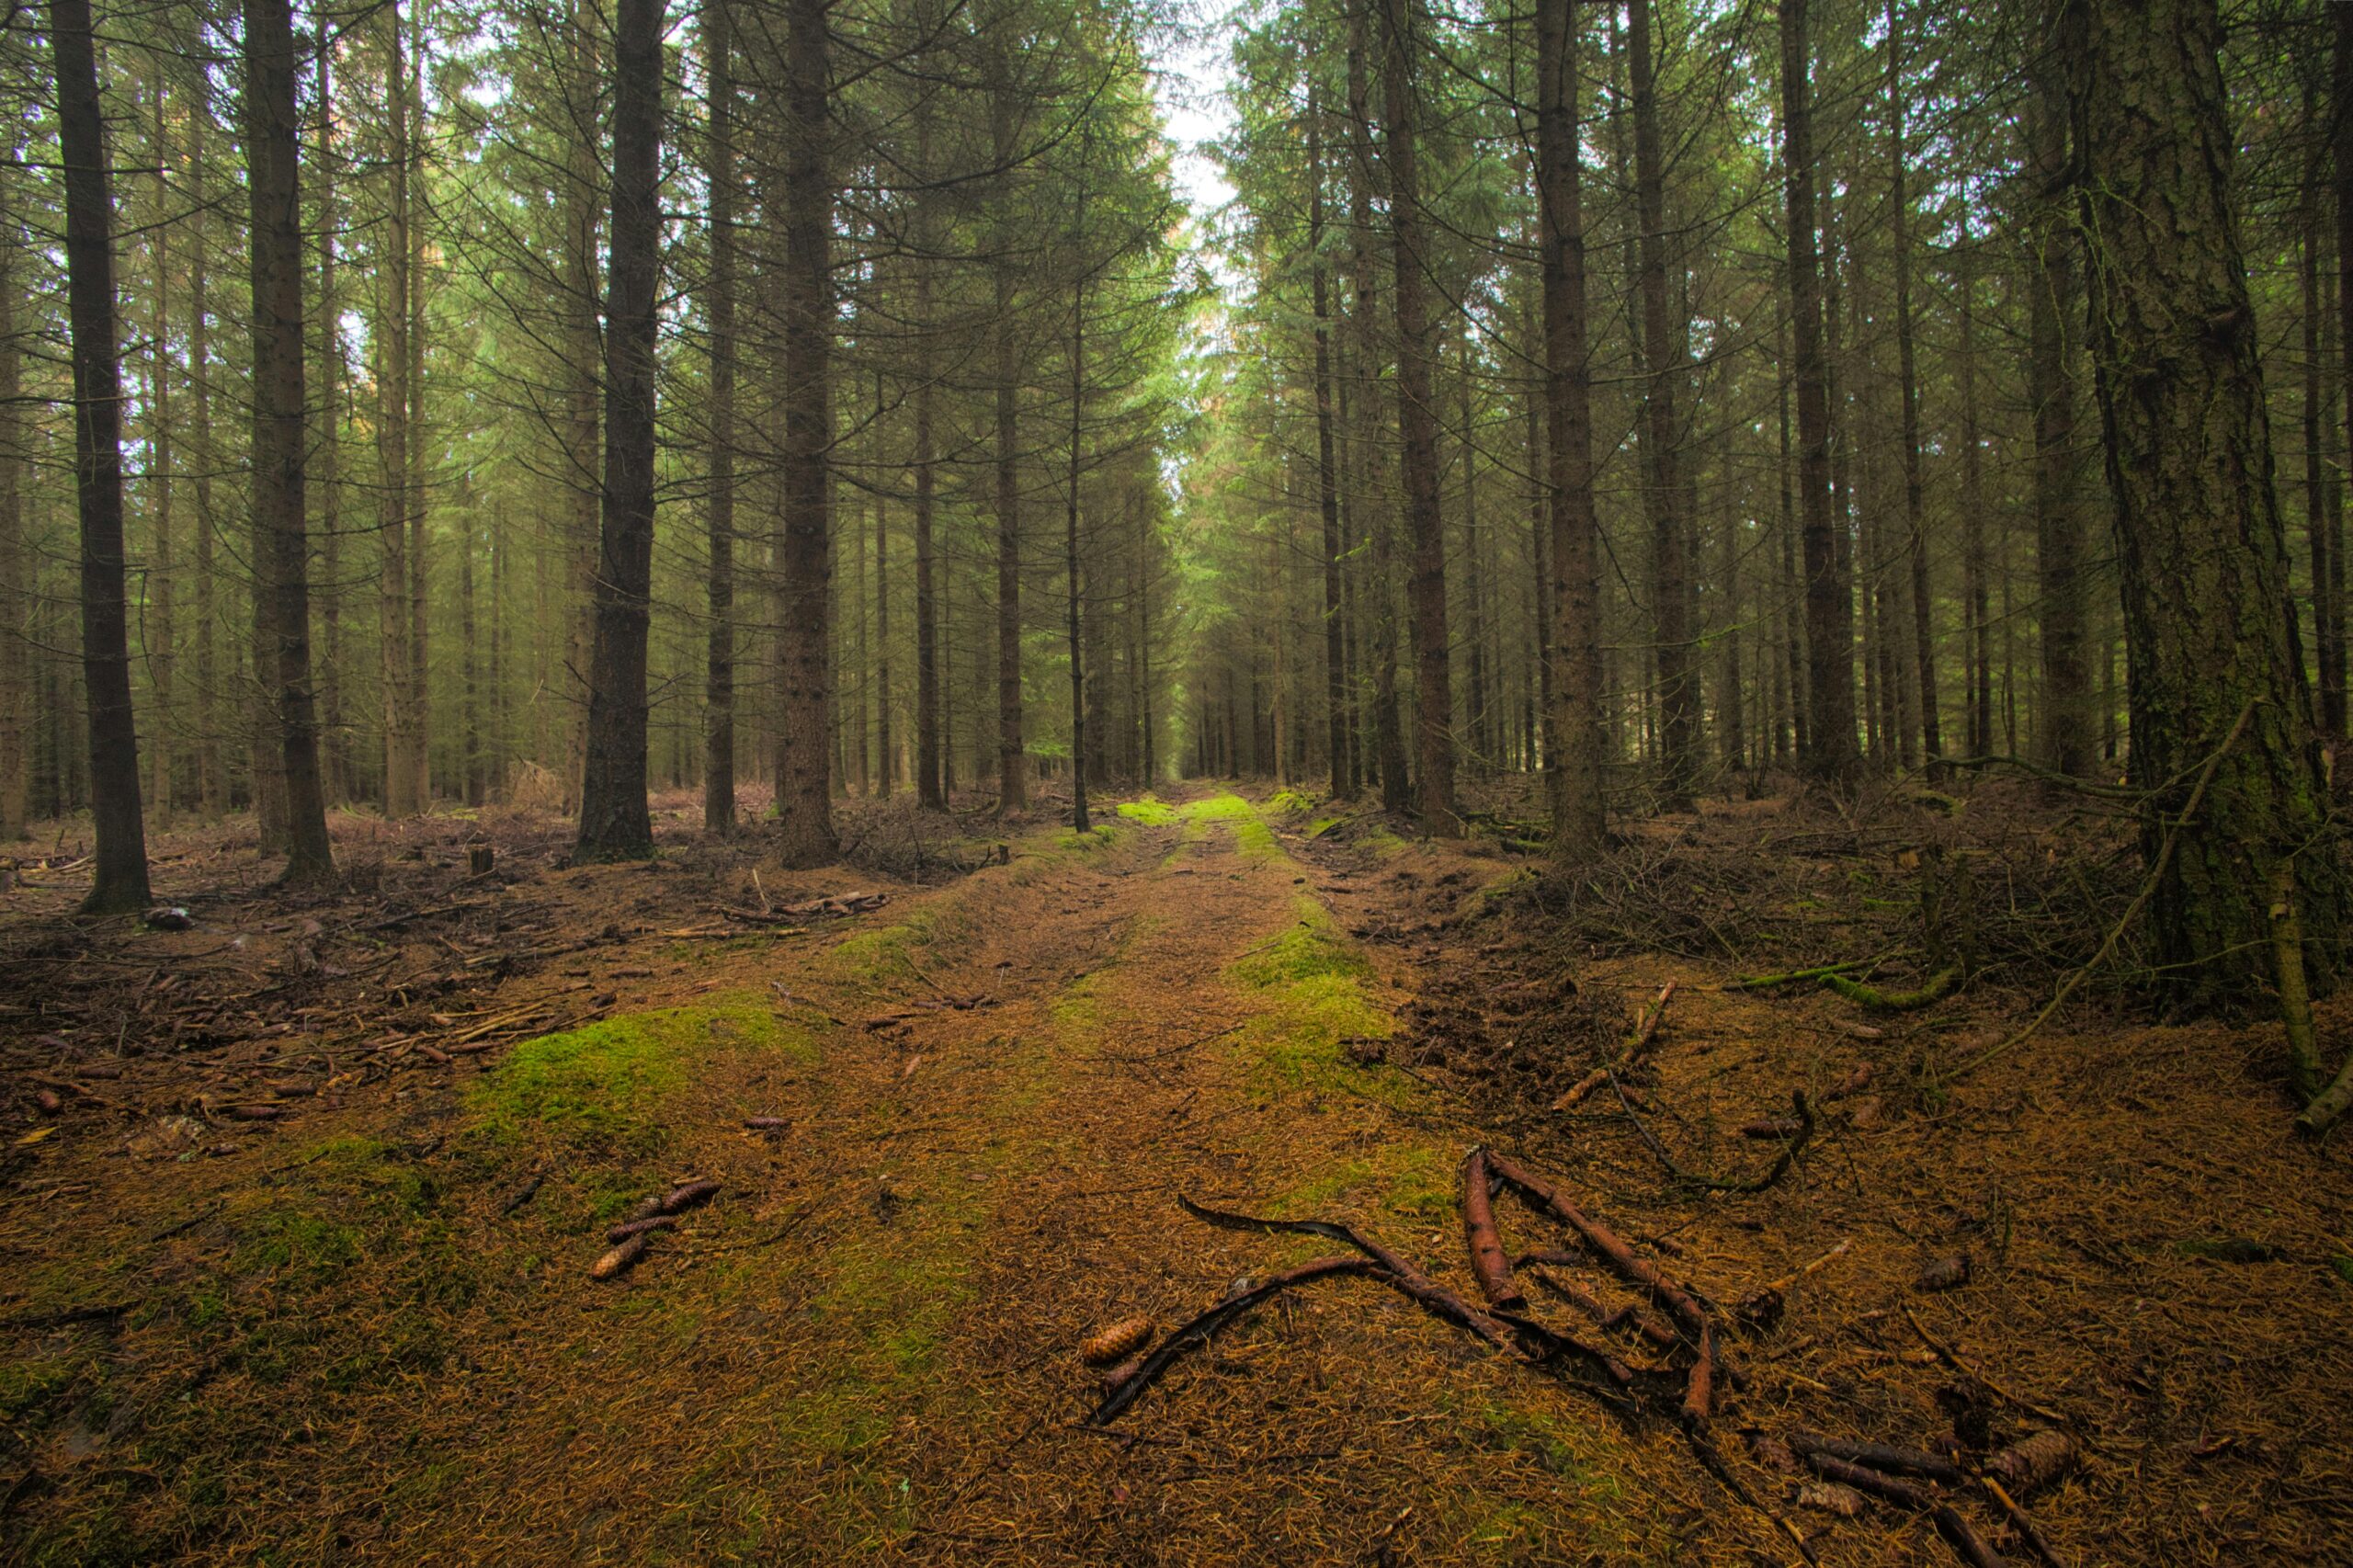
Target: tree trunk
x,y
803,799
886,759
420,751
280,444
1012,753
2333,662
1975,574
119,884
1417,429
15,602
1388,741
1830,760
583,354
327,447
211,779
1924,639
1075,586
163,649
2067,738
928,790
1578,746
1328,489
614,821
2203,551
719,659
394,320
1663,493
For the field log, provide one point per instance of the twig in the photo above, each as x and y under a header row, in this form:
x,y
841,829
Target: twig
x,y
1951,1357
2148,887
1773,1172
1644,1033
2021,1522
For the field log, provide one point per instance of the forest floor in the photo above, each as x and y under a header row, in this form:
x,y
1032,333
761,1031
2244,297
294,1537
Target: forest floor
x,y
301,1203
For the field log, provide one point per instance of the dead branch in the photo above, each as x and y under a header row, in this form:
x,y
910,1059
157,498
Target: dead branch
x,y
1956,1530
1635,1048
1201,1328
1489,1264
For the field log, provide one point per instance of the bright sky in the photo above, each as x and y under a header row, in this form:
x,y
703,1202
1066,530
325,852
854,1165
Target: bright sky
x,y
1193,70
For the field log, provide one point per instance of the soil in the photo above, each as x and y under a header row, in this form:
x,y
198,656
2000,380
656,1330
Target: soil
x,y
298,1267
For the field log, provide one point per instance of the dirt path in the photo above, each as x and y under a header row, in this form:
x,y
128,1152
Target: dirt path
x,y
360,1340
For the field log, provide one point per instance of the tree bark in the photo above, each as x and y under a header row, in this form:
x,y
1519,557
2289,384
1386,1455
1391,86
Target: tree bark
x,y
280,443
1388,741
2333,662
583,354
929,794
1662,490
1976,575
1923,638
1578,746
16,603
394,321
1830,759
2066,731
119,884
2203,551
327,443
719,660
1418,428
803,797
1012,752
211,779
162,646
1328,489
614,822
1073,585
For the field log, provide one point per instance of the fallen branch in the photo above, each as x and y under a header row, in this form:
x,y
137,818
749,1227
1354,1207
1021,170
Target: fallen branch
x,y
1871,999
1956,1530
1791,1148
1635,1048
1629,1316
1411,1281
1791,977
1951,1357
760,917
1489,1264
1880,1456
1700,1386
1201,1328
2022,1523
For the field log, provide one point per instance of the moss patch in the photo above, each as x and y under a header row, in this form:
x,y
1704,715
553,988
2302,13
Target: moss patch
x,y
1150,812
605,1085
1252,838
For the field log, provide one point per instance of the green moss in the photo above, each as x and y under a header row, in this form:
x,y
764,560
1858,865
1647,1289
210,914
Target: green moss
x,y
607,1083
1310,985
1150,812
306,1245
1313,949
1101,835
1290,803
1382,842
1409,1180
886,953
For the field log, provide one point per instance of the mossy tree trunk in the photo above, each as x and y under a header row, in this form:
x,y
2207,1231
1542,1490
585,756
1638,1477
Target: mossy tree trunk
x,y
2207,612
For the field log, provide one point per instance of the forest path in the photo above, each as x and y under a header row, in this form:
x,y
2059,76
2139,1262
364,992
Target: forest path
x,y
1165,1015
372,1336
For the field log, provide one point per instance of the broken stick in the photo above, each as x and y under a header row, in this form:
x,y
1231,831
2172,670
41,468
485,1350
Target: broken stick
x,y
1645,1033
